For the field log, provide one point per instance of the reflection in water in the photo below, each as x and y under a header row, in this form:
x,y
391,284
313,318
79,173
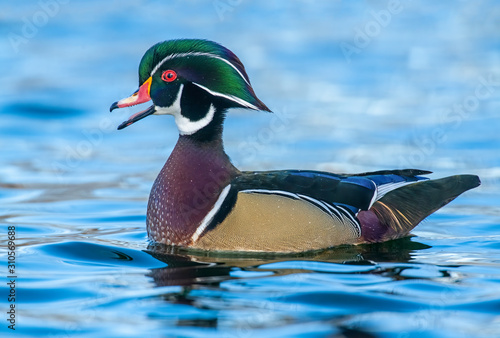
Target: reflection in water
x,y
204,278
188,267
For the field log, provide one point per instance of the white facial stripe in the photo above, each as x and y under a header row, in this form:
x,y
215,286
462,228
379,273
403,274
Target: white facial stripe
x,y
188,127
177,55
175,108
229,97
209,217
185,125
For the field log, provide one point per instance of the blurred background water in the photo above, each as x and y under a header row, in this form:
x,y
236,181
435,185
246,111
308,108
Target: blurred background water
x,y
354,86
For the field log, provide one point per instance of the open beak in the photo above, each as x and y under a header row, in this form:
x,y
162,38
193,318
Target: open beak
x,y
139,96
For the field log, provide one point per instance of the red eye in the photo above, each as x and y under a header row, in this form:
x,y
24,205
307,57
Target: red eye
x,y
169,75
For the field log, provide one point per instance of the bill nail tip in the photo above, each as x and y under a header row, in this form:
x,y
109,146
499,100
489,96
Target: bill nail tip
x,y
113,107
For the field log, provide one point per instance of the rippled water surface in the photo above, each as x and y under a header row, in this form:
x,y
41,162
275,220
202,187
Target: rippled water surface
x,y
354,86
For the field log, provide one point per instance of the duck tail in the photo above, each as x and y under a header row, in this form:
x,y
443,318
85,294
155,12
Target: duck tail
x,y
400,210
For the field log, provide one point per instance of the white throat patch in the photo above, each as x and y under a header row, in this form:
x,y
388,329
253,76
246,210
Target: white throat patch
x,y
185,125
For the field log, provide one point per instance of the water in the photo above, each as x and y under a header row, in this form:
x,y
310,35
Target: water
x,y
350,94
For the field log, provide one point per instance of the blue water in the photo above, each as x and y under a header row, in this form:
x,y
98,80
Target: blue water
x,y
355,86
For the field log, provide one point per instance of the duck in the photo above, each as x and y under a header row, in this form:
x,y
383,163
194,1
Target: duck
x,y
201,201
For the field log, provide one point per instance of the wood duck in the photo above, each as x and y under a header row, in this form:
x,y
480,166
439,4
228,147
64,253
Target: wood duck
x,y
200,200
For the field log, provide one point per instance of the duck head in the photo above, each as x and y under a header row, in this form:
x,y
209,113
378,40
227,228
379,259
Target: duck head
x,y
193,80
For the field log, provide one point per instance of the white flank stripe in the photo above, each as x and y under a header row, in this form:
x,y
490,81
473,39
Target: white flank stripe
x,y
335,212
180,55
351,219
316,203
274,192
229,97
210,216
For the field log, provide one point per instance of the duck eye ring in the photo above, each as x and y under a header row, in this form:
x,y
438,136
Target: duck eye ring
x,y
169,75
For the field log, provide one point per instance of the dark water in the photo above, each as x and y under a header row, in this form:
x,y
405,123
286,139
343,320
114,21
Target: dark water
x,y
355,86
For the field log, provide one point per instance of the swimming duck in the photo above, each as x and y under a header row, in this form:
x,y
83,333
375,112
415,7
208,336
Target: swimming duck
x,y
200,200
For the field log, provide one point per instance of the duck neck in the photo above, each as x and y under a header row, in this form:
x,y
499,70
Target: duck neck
x,y
187,187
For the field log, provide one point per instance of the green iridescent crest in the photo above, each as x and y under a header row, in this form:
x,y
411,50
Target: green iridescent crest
x,y
207,64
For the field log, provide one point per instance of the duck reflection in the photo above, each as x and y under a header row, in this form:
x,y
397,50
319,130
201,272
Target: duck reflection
x,y
189,268
202,272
